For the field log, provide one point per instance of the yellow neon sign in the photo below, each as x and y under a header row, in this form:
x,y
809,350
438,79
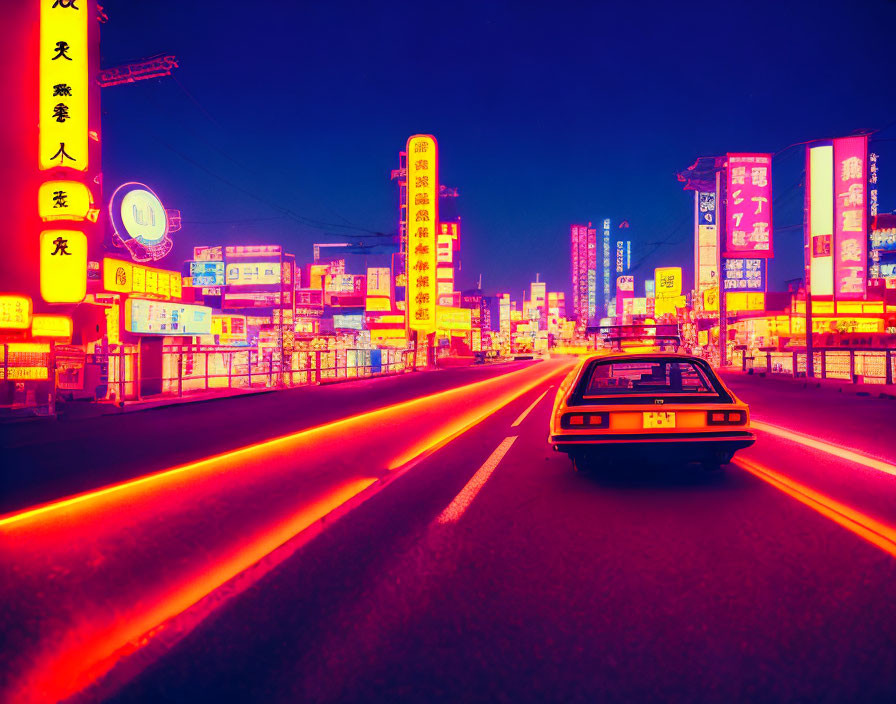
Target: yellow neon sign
x,y
668,281
63,84
15,312
51,326
125,277
423,218
63,266
65,200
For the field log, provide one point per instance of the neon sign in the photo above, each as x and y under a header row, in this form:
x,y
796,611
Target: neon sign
x,y
140,222
15,312
63,85
749,206
63,266
423,217
850,217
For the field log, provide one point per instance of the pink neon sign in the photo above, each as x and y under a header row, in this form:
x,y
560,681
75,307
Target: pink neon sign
x,y
850,222
748,214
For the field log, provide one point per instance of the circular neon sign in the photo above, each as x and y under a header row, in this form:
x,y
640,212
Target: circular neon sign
x,y
140,221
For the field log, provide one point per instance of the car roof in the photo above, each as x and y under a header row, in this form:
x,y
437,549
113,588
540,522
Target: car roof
x,y
621,356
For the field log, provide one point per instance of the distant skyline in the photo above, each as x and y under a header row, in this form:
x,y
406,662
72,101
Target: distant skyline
x,y
282,125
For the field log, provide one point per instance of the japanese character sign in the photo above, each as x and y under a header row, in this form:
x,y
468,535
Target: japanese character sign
x,y
749,210
63,266
423,216
65,200
743,274
63,84
850,218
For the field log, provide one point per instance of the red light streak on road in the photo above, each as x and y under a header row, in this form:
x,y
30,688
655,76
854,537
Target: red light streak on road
x,y
95,573
875,532
828,447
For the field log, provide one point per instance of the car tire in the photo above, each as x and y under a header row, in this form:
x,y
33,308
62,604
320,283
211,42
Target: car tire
x,y
579,463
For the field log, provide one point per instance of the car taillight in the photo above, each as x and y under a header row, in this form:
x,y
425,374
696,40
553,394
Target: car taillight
x,y
585,420
726,418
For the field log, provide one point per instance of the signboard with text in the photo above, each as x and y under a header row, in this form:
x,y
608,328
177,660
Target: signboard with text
x,y
423,217
743,274
748,218
850,218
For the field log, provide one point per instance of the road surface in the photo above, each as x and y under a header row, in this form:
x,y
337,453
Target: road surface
x,y
475,565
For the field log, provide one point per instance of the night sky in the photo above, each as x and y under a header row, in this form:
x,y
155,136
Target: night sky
x,y
546,114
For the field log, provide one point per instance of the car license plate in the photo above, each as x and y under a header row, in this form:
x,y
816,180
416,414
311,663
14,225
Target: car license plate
x,y
659,419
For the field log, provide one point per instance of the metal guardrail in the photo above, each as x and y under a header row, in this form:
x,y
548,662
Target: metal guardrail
x,y
868,366
196,369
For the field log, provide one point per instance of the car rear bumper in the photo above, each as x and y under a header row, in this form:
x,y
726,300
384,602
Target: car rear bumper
x,y
698,442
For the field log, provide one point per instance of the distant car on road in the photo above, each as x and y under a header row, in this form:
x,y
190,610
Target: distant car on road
x,y
649,408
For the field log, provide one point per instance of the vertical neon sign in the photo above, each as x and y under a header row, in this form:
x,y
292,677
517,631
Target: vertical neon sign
x,y
749,207
820,189
63,146
423,217
850,218
606,263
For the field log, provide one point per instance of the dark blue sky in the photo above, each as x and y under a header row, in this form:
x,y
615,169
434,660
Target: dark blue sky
x,y
546,114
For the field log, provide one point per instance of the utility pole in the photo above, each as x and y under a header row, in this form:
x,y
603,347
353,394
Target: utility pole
x,y
721,215
807,259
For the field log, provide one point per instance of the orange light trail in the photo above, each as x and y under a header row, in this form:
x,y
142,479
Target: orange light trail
x,y
830,448
875,532
96,573
207,462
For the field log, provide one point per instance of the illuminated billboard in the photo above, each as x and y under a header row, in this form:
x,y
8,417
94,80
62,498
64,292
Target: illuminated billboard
x,y
56,326
748,218
584,271
706,245
606,264
15,312
207,273
379,281
348,322
625,294
125,277
252,273
423,217
208,254
63,84
820,204
744,274
256,299
63,266
140,222
150,317
65,200
229,329
623,256
668,281
850,218
454,319
253,250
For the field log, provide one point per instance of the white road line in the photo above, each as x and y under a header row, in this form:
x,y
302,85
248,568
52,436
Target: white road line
x,y
463,500
523,415
830,448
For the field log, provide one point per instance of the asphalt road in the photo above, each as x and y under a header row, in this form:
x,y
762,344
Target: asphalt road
x,y
478,567
46,459
548,585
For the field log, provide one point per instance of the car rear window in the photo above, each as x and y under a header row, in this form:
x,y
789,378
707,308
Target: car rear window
x,y
651,378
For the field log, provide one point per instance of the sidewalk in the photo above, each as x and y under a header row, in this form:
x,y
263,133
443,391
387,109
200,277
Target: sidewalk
x,y
887,391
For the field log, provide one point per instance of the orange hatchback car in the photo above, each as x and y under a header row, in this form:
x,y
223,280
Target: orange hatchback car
x,y
653,408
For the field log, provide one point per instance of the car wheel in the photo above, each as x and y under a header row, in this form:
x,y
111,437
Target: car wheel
x,y
579,463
